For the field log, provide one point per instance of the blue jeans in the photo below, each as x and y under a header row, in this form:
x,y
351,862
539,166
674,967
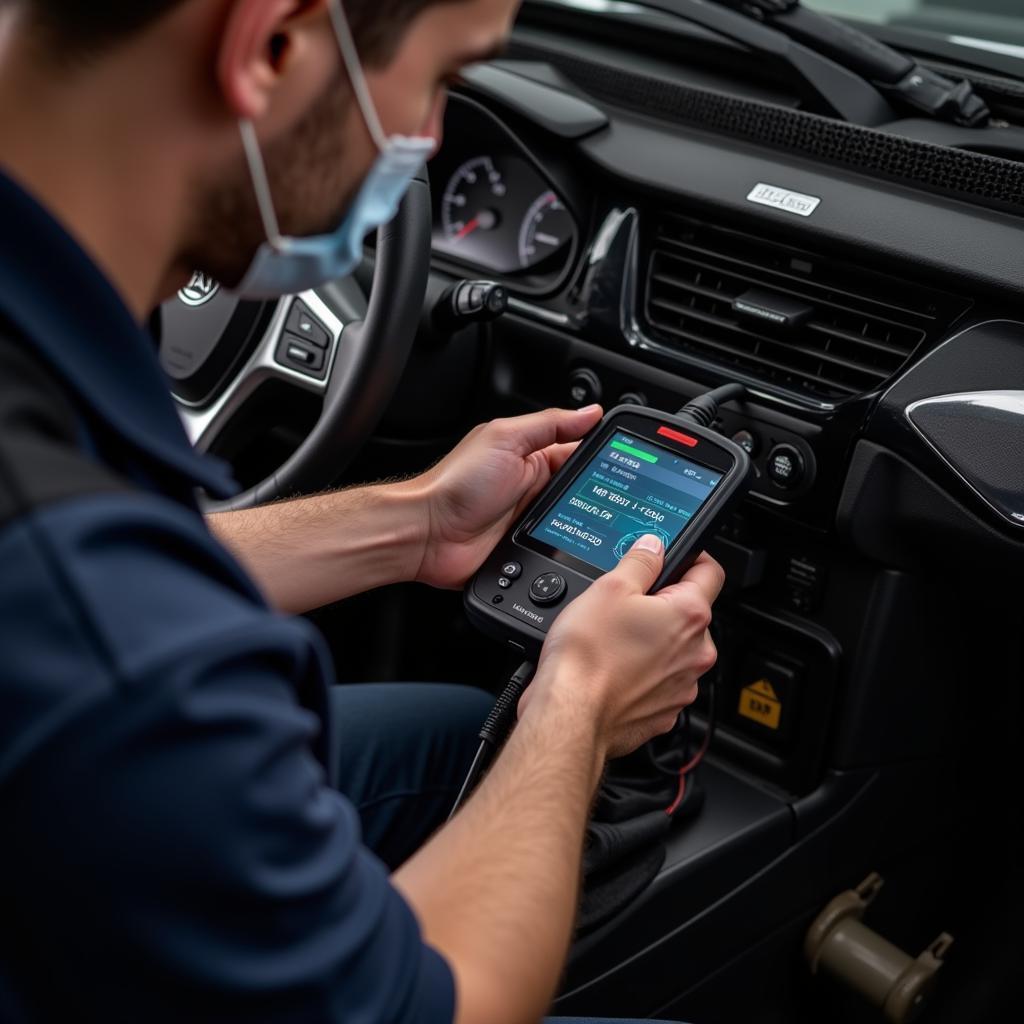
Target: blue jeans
x,y
399,753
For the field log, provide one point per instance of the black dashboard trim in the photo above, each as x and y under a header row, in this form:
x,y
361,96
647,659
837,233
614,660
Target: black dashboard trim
x,y
987,180
554,110
895,513
713,175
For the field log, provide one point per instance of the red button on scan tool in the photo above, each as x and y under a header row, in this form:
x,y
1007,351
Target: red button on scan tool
x,y
676,435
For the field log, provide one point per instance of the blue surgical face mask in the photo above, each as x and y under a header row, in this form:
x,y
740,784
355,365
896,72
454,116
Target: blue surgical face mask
x,y
285,266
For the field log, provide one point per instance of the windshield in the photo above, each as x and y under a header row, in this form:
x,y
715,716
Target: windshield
x,y
996,25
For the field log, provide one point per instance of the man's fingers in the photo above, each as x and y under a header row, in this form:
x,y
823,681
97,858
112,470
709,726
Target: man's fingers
x,y
642,564
539,430
548,462
705,574
558,454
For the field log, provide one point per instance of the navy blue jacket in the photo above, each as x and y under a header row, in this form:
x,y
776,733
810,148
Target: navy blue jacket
x,y
169,846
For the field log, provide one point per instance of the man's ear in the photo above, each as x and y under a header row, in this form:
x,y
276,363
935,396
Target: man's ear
x,y
257,42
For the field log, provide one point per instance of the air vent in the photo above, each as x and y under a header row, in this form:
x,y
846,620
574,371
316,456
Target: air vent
x,y
714,294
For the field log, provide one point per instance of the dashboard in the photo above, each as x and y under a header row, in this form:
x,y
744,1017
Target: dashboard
x,y
648,260
875,321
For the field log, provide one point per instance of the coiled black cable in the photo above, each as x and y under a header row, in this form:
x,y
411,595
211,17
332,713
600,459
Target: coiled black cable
x,y
498,725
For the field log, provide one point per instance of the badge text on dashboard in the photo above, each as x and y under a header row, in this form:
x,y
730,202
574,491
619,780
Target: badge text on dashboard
x,y
784,199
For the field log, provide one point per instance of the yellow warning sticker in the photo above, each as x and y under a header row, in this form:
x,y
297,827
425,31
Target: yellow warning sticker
x,y
760,703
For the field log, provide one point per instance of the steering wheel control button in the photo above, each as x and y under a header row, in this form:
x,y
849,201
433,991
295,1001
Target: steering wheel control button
x,y
548,589
504,582
786,466
747,441
303,355
584,388
298,354
303,324
512,570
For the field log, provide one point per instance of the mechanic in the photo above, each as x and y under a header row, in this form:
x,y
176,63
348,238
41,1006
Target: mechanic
x,y
188,806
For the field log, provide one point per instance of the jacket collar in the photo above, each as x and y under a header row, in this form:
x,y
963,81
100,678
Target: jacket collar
x,y
53,294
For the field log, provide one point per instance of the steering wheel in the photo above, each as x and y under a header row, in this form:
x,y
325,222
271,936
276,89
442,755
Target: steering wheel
x,y
332,342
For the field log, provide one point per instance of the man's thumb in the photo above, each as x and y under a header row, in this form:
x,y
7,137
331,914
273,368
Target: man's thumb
x,y
643,563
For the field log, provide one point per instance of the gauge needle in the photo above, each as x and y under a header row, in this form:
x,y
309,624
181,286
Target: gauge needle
x,y
468,229
485,219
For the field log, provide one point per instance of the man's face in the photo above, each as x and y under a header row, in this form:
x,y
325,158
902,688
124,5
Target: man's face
x,y
318,161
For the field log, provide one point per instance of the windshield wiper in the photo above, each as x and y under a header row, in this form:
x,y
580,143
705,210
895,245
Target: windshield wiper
x,y
898,77
841,90
861,79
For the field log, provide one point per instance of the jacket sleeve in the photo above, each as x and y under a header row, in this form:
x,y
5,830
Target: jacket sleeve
x,y
174,849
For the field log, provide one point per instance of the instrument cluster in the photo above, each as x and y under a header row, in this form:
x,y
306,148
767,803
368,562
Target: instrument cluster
x,y
495,209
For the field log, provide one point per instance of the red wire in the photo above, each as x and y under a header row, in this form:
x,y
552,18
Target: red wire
x,y
687,768
680,793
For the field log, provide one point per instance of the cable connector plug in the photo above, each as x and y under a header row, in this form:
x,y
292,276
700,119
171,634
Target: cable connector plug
x,y
704,408
502,717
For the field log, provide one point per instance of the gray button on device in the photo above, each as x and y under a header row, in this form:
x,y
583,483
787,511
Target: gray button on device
x,y
547,589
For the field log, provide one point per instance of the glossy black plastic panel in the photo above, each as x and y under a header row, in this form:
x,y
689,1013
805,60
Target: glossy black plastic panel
x,y
979,435
958,417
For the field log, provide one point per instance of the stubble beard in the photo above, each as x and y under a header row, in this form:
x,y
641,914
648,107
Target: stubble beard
x,y
310,184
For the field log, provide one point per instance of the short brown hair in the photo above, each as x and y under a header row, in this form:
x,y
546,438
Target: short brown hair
x,y
78,29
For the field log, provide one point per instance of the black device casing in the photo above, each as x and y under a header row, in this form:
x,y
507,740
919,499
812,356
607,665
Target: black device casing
x,y
508,613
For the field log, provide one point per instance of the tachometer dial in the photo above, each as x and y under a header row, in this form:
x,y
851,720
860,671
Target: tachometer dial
x,y
473,201
546,229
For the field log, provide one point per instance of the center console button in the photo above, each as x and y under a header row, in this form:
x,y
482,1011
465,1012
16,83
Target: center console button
x,y
584,388
632,398
786,466
747,441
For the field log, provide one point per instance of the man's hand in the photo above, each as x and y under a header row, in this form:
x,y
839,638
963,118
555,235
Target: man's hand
x,y
496,888
629,659
478,491
436,528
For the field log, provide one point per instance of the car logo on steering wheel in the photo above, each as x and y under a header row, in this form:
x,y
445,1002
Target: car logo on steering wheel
x,y
199,290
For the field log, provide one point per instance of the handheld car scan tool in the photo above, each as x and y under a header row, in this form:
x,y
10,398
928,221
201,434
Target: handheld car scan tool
x,y
638,471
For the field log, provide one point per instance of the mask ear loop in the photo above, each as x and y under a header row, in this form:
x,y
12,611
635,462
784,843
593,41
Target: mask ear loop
x,y
350,55
260,184
251,145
